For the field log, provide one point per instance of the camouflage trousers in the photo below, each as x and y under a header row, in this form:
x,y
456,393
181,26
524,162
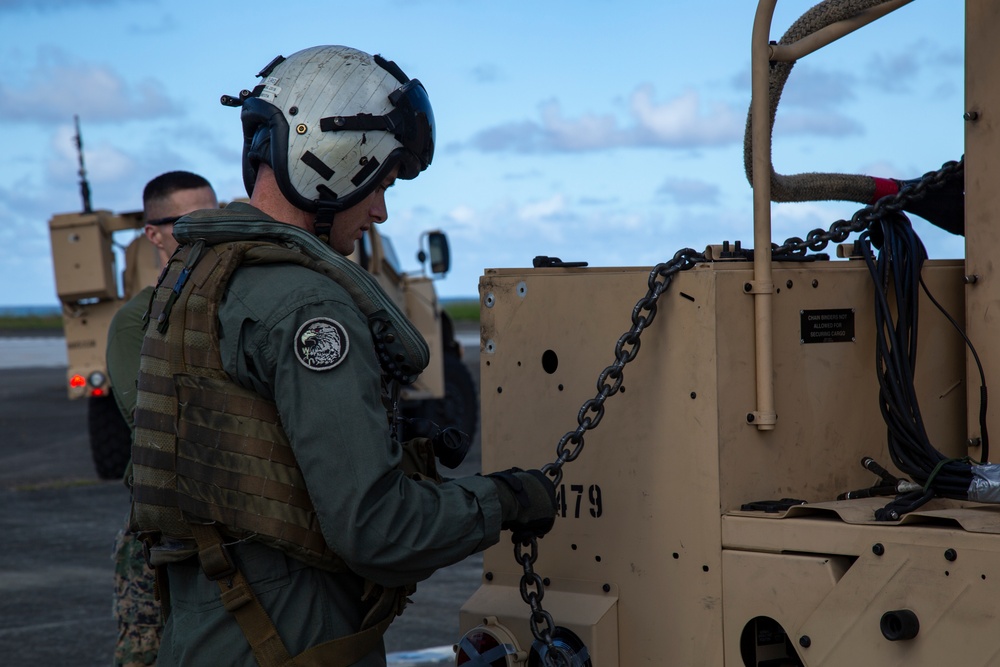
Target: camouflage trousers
x,y
137,612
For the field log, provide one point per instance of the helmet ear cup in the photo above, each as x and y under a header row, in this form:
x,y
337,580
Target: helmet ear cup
x,y
265,139
256,150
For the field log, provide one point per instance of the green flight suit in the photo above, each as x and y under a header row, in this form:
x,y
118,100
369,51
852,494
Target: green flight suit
x,y
124,342
388,527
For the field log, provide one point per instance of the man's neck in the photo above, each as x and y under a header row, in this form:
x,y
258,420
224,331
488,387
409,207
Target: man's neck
x,y
267,197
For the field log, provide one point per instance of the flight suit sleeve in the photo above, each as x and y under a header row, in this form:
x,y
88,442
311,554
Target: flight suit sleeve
x,y
124,347
390,528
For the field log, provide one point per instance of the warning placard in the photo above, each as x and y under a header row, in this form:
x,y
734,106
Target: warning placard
x,y
827,326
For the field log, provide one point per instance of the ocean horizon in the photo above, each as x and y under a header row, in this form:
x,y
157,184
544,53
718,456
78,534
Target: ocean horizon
x,y
29,311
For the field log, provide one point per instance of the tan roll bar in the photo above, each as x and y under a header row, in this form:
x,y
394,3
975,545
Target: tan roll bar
x,y
762,52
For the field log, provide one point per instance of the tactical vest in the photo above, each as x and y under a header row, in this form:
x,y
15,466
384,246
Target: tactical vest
x,y
230,462
211,463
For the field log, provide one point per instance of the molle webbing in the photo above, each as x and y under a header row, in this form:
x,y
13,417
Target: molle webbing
x,y
230,461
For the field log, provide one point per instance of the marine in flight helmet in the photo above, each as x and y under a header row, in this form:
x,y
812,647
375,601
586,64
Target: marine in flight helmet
x,y
332,121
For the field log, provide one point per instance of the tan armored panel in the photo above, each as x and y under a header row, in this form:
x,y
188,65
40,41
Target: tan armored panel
x,y
639,541
82,257
142,266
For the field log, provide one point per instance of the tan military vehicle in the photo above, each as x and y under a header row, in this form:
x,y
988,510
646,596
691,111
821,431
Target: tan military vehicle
x,y
794,469
87,282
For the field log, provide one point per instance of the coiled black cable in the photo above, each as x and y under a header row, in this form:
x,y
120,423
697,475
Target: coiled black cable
x,y
896,273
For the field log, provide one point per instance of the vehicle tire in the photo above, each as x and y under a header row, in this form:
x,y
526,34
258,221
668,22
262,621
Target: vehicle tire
x,y
459,407
110,439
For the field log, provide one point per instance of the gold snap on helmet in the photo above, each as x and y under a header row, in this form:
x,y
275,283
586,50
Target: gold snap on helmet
x,y
332,121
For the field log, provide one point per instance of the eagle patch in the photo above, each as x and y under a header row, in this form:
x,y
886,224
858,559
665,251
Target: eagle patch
x,y
321,344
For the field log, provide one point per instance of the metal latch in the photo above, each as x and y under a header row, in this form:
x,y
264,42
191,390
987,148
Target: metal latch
x,y
541,261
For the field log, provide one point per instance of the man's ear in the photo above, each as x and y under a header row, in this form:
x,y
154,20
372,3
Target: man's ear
x,y
153,234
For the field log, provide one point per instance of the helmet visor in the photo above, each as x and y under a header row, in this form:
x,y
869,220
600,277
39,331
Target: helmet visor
x,y
411,122
415,126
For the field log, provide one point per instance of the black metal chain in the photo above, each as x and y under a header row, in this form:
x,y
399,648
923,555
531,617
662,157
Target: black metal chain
x,y
627,347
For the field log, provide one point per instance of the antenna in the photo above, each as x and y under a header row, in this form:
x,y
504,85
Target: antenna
x,y
84,185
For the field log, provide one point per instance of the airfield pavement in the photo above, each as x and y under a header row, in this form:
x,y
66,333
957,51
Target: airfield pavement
x,y
59,521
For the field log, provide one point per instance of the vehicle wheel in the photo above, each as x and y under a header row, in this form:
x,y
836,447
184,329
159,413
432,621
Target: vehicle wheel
x,y
459,407
110,439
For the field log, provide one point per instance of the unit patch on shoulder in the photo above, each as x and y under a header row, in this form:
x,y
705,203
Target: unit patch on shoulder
x,y
321,344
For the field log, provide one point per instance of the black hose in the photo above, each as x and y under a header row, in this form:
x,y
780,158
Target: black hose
x,y
897,271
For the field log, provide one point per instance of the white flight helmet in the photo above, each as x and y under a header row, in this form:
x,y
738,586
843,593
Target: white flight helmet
x,y
332,121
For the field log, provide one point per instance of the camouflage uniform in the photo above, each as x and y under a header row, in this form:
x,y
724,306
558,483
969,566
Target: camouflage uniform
x,y
137,612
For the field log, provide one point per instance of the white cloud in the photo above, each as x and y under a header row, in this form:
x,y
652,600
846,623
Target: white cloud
x,y
60,88
816,123
816,87
104,162
690,191
681,121
588,132
486,73
894,72
547,208
51,5
883,169
462,214
685,121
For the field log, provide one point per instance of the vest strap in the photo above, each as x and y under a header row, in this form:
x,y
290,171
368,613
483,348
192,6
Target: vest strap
x,y
268,649
239,599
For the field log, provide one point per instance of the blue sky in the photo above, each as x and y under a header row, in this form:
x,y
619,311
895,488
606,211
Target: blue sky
x,y
595,130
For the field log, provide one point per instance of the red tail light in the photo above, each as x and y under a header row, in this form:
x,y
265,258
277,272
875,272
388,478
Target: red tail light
x,y
488,644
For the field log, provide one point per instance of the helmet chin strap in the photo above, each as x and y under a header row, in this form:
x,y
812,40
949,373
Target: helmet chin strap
x,y
324,223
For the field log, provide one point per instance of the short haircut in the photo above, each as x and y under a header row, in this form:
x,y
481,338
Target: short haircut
x,y
167,184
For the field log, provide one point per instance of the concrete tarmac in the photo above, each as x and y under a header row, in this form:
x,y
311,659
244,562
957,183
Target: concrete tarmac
x,y
58,523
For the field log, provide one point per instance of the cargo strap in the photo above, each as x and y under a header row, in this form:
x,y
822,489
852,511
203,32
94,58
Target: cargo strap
x,y
268,649
161,589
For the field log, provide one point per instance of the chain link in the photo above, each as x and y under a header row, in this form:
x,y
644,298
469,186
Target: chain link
x,y
627,347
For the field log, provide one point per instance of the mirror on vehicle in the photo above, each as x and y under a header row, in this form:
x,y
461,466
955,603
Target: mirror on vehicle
x,y
440,254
